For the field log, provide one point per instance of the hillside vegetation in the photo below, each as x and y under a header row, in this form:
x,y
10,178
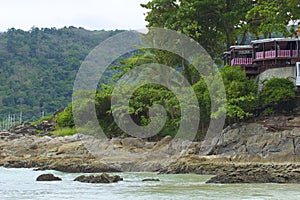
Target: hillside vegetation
x,y
38,67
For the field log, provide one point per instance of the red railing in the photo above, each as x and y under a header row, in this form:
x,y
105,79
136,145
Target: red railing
x,y
284,53
241,61
270,54
280,53
259,55
294,53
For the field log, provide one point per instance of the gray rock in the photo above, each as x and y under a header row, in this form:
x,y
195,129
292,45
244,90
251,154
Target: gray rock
x,y
47,177
116,141
150,179
103,178
257,174
133,142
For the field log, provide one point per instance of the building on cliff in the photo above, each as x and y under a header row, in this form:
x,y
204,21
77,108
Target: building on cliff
x,y
266,58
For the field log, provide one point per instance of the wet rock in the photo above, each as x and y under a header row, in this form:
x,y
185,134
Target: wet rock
x,y
150,179
103,178
47,177
258,173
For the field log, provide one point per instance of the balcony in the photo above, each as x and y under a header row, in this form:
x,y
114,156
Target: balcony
x,y
284,53
259,55
270,54
295,53
241,61
280,54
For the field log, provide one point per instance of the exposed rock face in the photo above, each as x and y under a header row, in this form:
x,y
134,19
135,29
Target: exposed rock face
x,y
259,174
47,177
260,141
274,140
103,178
41,128
80,153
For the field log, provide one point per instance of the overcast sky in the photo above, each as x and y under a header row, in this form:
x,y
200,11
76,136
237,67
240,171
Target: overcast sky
x,y
89,14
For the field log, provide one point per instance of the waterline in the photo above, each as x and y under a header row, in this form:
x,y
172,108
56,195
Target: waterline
x,y
21,184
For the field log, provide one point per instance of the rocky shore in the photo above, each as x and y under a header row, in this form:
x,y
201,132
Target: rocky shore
x,y
243,153
81,153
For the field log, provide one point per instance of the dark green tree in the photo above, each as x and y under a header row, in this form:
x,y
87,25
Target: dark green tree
x,y
278,95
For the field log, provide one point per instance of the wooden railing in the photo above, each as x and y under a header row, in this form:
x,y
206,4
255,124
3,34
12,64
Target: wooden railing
x,y
241,61
284,53
280,54
295,53
259,55
270,54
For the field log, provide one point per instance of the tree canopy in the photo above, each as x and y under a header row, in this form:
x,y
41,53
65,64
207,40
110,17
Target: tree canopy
x,y
217,25
278,95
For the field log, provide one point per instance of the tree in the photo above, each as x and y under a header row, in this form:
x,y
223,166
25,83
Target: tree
x,y
211,23
65,118
278,95
218,24
241,93
272,16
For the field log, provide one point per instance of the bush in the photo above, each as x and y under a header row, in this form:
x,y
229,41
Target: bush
x,y
278,94
65,131
65,118
46,118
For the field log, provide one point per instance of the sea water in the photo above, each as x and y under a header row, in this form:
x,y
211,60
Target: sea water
x,y
21,184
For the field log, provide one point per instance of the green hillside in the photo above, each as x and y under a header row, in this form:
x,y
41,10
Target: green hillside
x,y
38,67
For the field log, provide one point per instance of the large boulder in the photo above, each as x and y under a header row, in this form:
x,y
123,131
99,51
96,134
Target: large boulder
x,y
47,177
103,178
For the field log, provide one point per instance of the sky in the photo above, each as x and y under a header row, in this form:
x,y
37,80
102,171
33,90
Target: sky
x,y
89,14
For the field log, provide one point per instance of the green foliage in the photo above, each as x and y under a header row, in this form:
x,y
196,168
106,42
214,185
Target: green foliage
x,y
272,16
203,97
220,21
214,23
65,118
145,97
241,93
242,103
278,94
66,131
46,118
38,67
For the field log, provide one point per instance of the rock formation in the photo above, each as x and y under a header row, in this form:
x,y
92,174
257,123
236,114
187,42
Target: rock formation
x,y
47,177
103,178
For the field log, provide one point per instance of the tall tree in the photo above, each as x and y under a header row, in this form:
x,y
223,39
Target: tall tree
x,y
273,16
218,24
211,23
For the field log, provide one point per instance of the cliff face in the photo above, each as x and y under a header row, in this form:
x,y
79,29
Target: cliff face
x,y
276,139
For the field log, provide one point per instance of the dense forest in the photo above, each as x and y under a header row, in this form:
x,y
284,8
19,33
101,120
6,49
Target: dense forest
x,y
38,67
